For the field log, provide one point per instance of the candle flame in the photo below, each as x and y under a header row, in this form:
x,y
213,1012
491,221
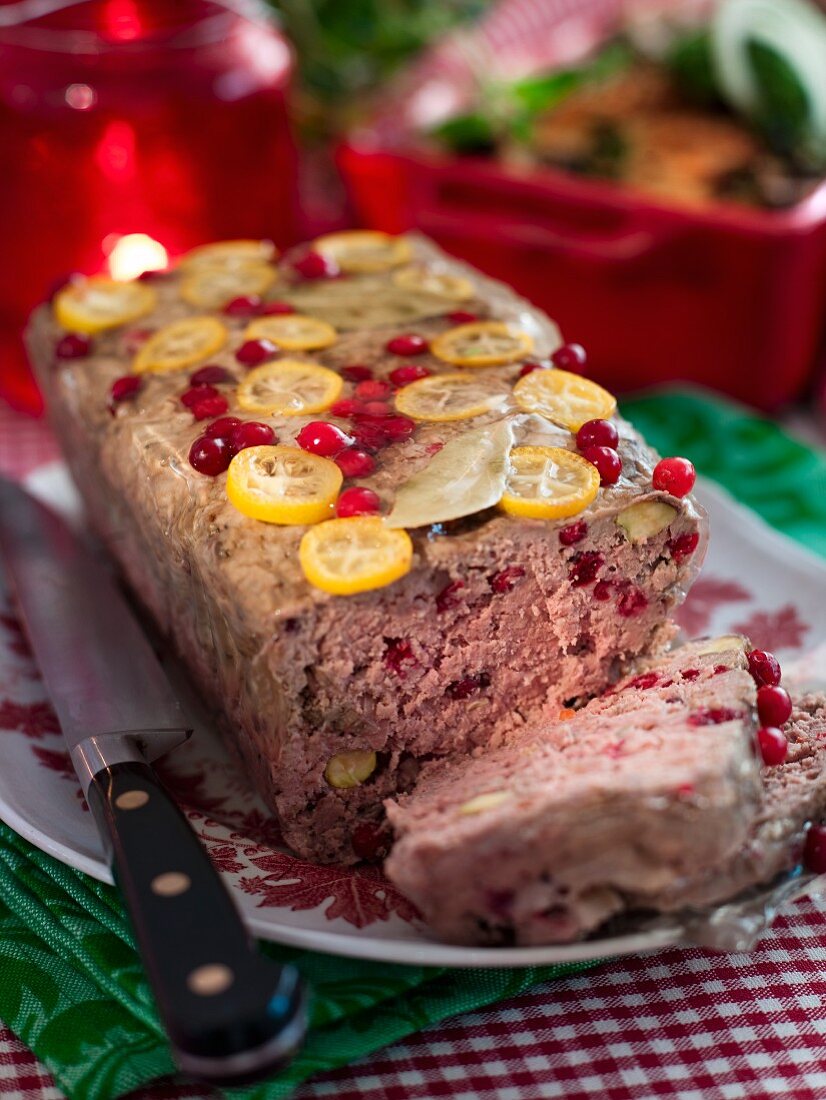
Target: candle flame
x,y
135,253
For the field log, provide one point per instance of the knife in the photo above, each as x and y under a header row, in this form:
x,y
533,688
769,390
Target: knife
x,y
231,1013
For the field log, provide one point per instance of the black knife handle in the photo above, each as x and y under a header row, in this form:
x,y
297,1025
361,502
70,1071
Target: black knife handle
x,y
231,1014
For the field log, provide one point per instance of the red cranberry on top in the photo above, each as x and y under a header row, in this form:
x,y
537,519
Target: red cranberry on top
x,y
312,265
607,461
569,357
774,706
675,476
355,463
209,406
357,373
597,433
245,305
210,376
322,438
773,745
358,501
223,426
254,352
403,376
276,309
74,345
124,389
210,456
373,390
764,667
407,343
461,317
251,433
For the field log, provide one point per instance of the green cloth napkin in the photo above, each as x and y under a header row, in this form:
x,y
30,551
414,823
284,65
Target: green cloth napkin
x,y
71,984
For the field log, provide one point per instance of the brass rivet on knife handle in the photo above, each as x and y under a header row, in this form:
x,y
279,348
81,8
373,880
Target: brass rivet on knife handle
x,y
131,800
209,980
171,884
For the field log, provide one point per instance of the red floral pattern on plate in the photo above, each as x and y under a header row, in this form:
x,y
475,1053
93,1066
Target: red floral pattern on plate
x,y
705,597
34,720
780,629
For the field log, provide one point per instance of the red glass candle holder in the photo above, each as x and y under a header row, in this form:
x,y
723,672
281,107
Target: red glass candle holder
x,y
133,130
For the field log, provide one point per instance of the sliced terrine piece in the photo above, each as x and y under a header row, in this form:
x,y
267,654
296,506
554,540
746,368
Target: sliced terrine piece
x,y
627,804
332,700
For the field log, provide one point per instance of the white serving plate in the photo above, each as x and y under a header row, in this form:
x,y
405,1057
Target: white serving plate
x,y
755,581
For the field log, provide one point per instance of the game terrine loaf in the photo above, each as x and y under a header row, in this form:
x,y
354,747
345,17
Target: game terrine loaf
x,y
371,498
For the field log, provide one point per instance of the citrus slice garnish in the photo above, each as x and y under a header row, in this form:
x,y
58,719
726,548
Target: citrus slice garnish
x,y
564,398
455,396
212,287
283,485
548,483
357,554
289,387
424,280
97,303
180,344
363,250
481,344
293,331
227,254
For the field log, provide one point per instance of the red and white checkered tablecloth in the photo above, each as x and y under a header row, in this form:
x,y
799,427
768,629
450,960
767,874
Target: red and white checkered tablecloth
x,y
687,1024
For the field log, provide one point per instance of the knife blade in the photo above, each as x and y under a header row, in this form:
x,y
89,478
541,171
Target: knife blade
x,y
231,1013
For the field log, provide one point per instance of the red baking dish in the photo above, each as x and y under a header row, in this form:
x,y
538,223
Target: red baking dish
x,y
724,296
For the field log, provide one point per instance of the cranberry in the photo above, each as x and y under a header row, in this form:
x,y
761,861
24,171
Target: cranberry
x,y
195,394
449,597
375,408
407,344
713,716
631,602
312,265
276,309
773,745
252,433
209,406
434,447
690,674
209,376
569,357
135,338
356,373
403,376
210,456
675,476
597,433
371,840
74,345
346,407
373,390
505,580
463,689
369,432
584,567
683,546
253,352
461,317
774,706
245,305
602,591
529,368
358,501
814,849
574,532
224,426
607,461
398,428
399,653
125,387
644,682
355,463
322,438
764,667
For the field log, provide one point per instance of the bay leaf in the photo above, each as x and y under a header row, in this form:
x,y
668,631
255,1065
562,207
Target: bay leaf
x,y
466,476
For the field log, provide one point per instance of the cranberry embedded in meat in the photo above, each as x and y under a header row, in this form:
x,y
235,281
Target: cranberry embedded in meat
x,y
355,463
223,426
399,653
210,376
398,428
251,433
358,501
570,357
643,682
505,580
403,376
370,840
346,407
814,849
713,716
209,406
312,265
461,317
683,546
469,685
607,461
374,408
276,309
631,602
74,345
449,597
210,456
690,674
764,667
357,373
373,390
125,387
254,352
597,433
584,568
322,438
573,533
245,305
407,344
602,591
774,706
675,476
773,745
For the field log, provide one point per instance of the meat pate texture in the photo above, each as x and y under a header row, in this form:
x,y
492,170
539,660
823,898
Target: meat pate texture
x,y
295,675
